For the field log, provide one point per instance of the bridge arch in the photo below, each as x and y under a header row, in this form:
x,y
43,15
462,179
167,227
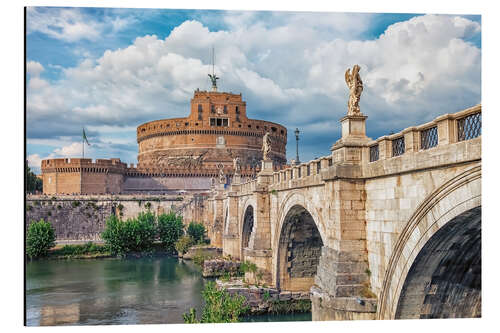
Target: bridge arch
x,y
426,264
297,251
297,198
247,223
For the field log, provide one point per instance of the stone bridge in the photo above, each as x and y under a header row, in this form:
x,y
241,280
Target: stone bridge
x,y
379,229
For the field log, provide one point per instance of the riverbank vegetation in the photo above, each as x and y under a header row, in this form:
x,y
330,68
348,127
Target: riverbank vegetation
x,y
145,234
39,239
220,307
88,250
141,234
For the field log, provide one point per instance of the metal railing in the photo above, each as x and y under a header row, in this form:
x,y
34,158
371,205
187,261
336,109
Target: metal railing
x,y
429,138
374,153
398,146
469,127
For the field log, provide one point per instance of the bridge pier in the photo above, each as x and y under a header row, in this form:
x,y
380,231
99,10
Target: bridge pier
x,y
259,249
342,285
338,293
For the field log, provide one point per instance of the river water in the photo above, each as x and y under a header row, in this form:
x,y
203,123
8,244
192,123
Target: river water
x,y
117,291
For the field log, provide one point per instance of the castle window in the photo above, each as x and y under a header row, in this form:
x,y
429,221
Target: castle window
x,y
237,110
273,129
225,109
282,132
212,108
200,108
249,126
219,122
257,126
186,124
238,119
239,124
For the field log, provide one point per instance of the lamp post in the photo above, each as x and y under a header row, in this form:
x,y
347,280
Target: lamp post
x,y
297,161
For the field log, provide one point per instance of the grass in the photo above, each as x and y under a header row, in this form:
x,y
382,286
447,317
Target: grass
x,y
87,250
301,305
366,292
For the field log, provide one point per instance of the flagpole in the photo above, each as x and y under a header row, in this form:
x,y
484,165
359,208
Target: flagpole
x,y
83,145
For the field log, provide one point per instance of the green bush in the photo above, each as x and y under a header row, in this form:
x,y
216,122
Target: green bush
x,y
220,307
170,229
132,235
183,244
196,231
40,238
247,266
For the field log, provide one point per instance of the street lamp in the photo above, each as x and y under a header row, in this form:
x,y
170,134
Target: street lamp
x,y
297,161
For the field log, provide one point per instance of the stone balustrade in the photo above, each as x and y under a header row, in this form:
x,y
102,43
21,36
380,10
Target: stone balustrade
x,y
441,131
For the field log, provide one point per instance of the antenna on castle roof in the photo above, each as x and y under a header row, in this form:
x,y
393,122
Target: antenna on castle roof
x,y
212,76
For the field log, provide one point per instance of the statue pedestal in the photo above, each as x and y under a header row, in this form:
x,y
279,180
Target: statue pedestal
x,y
353,125
352,146
267,165
236,179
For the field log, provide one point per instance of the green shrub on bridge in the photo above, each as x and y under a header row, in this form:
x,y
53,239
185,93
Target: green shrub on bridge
x,y
196,231
132,235
39,239
170,229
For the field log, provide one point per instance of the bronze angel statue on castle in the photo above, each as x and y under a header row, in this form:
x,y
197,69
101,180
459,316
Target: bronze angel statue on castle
x,y
355,86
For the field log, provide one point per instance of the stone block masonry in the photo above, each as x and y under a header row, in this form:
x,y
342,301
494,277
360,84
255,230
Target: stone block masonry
x,y
267,300
83,217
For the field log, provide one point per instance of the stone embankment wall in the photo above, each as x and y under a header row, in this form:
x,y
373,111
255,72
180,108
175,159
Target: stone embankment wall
x,y
262,299
218,267
83,217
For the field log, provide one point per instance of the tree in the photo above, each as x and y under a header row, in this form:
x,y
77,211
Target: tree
x,y
33,183
170,229
39,239
196,231
132,235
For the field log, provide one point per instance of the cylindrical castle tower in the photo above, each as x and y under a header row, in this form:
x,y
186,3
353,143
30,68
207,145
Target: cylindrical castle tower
x,y
216,131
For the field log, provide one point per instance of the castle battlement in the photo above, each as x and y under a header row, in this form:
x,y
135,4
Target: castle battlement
x,y
83,165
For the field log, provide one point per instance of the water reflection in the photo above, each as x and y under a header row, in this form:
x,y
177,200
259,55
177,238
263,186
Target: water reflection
x,y
114,291
111,291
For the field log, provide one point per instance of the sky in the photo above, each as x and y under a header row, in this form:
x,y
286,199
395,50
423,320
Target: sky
x,y
111,69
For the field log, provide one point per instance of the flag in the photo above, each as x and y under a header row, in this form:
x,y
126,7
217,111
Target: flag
x,y
85,137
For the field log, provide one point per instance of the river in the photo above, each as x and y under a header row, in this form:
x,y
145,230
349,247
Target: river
x,y
154,290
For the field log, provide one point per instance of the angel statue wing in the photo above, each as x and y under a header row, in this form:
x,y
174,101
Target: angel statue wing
x,y
348,77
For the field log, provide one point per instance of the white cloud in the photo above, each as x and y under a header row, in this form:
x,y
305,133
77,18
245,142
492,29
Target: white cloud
x,y
34,161
72,150
287,72
73,24
67,24
34,68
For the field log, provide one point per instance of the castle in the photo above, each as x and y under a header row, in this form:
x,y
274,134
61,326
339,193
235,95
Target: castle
x,y
177,154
